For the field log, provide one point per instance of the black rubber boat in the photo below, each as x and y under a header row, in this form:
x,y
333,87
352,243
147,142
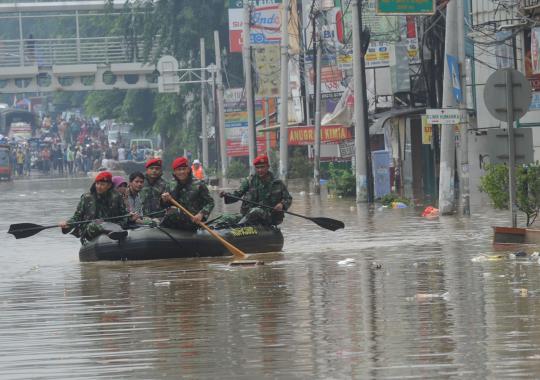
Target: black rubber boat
x,y
153,243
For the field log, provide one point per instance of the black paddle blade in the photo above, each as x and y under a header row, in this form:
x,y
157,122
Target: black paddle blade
x,y
329,224
24,230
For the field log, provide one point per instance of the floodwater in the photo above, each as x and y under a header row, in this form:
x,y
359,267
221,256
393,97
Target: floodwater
x,y
392,296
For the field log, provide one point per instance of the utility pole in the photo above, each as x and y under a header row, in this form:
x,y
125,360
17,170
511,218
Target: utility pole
x,y
284,109
448,146
221,106
267,125
317,144
248,85
464,130
204,126
359,108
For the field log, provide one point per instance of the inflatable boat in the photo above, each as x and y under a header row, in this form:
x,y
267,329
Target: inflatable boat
x,y
153,243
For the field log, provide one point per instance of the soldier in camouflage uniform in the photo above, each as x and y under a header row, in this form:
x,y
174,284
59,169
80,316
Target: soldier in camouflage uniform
x,y
154,186
191,193
263,188
100,203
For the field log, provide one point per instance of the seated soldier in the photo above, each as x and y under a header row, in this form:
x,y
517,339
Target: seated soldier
x,y
101,202
191,193
264,188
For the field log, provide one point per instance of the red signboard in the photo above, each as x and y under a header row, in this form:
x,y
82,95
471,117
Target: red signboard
x,y
329,134
238,148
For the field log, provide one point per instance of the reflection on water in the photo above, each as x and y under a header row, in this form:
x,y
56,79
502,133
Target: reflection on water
x,y
409,302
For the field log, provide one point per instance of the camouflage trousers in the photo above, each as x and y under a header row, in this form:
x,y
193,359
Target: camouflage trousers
x,y
94,229
254,216
178,220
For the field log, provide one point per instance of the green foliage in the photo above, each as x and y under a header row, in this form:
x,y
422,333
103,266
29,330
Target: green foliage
x,y
388,199
104,104
300,165
237,169
495,184
137,108
342,180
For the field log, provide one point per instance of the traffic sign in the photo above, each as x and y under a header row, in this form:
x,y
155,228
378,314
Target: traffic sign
x,y
496,94
444,115
168,80
405,7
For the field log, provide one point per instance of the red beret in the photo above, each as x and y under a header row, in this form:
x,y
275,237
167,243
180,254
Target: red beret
x,y
179,161
153,162
104,177
260,160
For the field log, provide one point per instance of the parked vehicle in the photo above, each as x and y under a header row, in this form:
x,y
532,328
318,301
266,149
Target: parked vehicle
x,y
5,162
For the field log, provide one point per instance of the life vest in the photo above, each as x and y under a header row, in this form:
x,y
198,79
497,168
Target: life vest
x,y
197,173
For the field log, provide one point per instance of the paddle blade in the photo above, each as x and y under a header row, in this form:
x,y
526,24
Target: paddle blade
x,y
24,230
328,223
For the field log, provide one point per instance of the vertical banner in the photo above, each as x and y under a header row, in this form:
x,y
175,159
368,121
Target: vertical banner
x,y
427,131
267,67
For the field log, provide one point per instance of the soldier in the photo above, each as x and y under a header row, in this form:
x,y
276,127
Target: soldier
x,y
154,186
101,202
262,188
190,193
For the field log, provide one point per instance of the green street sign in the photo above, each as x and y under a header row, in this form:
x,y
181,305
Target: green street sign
x,y
405,7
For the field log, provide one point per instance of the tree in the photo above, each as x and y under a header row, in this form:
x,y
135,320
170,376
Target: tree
x,y
495,184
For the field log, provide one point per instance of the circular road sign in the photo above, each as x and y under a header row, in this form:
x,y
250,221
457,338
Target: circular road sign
x,y
495,93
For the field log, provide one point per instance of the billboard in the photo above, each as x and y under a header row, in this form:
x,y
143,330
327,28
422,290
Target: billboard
x,y
265,26
236,123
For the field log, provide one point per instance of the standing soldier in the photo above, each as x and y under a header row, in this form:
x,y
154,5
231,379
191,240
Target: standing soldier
x,y
101,202
264,188
154,186
191,193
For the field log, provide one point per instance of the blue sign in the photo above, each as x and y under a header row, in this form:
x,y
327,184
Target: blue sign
x,y
455,77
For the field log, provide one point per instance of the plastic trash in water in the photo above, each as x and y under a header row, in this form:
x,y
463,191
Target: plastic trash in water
x,y
399,205
430,212
346,262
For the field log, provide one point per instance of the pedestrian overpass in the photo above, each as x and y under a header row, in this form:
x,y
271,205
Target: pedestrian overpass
x,y
75,63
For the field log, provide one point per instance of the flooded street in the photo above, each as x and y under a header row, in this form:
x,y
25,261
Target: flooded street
x,y
392,296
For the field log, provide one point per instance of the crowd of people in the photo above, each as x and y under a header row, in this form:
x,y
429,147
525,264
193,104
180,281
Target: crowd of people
x,y
115,205
74,147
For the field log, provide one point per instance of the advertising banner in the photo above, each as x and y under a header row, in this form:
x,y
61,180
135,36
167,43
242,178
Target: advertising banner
x,y
268,69
265,26
236,123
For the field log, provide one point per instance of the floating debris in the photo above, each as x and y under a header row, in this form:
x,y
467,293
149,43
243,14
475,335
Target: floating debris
x,y
346,262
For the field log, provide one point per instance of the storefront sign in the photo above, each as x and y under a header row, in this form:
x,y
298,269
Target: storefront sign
x,y
329,134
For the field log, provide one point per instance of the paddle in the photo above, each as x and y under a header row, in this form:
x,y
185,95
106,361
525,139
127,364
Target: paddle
x,y
328,223
24,230
232,249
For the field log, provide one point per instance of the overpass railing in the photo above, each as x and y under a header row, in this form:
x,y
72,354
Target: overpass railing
x,y
67,51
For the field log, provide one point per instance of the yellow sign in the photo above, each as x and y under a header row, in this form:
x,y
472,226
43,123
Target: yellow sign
x,y
427,131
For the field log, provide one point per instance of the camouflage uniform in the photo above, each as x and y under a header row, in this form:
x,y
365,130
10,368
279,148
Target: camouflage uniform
x,y
194,196
269,192
150,195
94,206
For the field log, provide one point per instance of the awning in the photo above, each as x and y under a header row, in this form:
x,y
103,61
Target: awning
x,y
377,127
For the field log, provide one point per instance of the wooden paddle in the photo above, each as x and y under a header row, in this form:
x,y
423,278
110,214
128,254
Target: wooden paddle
x,y
24,230
328,223
232,249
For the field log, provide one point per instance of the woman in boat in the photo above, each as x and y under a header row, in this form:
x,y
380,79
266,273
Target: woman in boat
x,y
191,193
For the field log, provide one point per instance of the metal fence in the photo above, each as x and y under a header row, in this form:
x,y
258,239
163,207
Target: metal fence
x,y
68,51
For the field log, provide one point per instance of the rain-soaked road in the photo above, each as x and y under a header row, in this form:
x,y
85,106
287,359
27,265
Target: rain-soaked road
x,y
411,305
